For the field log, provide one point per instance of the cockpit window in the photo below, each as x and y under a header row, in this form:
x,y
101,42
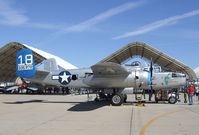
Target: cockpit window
x,y
174,75
88,74
134,64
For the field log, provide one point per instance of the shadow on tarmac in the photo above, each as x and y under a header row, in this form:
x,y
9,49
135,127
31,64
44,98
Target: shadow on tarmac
x,y
40,101
88,106
78,106
24,102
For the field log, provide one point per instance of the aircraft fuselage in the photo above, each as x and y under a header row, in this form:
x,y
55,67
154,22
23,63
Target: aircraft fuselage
x,y
139,79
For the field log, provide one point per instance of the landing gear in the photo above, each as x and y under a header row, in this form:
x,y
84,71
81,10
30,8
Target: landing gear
x,y
125,98
101,96
172,100
163,95
97,99
117,99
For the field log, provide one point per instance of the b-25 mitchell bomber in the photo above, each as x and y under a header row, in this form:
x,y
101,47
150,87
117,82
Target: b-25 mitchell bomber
x,y
110,78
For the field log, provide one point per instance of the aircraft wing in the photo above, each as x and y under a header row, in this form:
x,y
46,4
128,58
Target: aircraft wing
x,y
109,69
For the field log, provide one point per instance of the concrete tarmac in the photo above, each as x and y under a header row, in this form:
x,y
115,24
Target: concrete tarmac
x,y
73,115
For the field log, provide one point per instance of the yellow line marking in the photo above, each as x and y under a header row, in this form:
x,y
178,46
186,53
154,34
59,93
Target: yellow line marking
x,y
148,124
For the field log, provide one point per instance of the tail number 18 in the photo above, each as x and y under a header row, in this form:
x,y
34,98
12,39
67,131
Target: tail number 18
x,y
28,60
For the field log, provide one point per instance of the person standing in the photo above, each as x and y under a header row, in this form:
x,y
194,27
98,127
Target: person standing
x,y
197,92
191,91
185,94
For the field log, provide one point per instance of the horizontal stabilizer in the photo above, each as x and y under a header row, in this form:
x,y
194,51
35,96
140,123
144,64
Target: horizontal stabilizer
x,y
40,75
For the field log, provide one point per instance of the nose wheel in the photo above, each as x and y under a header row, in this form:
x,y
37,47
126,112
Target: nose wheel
x,y
172,100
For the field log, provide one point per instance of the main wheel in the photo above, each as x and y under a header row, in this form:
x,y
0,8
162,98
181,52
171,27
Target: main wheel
x,y
117,99
172,100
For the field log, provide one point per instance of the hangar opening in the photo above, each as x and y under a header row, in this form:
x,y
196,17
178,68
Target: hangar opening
x,y
146,52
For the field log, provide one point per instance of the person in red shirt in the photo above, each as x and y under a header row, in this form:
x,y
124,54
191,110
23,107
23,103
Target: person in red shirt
x,y
191,91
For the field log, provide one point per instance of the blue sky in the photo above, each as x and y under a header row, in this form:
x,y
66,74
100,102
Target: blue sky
x,y
85,31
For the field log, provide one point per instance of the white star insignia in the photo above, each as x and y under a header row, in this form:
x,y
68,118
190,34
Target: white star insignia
x,y
64,77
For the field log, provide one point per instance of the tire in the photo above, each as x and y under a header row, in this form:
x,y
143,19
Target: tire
x,y
172,100
117,99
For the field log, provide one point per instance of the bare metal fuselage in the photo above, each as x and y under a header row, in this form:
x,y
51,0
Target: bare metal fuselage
x,y
137,79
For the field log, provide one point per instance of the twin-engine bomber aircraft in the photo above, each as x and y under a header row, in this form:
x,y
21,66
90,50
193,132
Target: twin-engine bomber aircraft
x,y
111,79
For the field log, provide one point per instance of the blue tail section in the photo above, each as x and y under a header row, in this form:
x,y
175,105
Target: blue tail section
x,y
25,66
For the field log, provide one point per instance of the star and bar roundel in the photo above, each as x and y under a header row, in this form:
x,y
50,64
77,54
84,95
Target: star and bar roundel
x,y
64,77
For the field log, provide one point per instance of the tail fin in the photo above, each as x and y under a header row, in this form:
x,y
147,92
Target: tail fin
x,y
25,66
50,65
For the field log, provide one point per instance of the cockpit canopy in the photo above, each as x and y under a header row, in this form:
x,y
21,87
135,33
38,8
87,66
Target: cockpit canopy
x,y
134,64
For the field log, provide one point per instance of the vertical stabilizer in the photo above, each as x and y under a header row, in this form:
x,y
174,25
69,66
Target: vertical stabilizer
x,y
25,66
50,65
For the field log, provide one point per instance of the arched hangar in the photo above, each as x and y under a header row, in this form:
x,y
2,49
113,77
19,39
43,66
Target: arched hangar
x,y
147,52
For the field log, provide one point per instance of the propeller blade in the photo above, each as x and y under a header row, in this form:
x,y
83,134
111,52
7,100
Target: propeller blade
x,y
151,73
151,69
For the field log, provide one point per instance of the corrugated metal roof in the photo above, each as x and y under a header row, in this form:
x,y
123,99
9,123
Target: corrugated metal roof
x,y
146,51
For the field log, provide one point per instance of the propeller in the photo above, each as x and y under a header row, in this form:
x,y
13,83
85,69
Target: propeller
x,y
151,73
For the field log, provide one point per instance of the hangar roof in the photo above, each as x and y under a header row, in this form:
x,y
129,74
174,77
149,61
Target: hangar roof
x,y
145,51
8,60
